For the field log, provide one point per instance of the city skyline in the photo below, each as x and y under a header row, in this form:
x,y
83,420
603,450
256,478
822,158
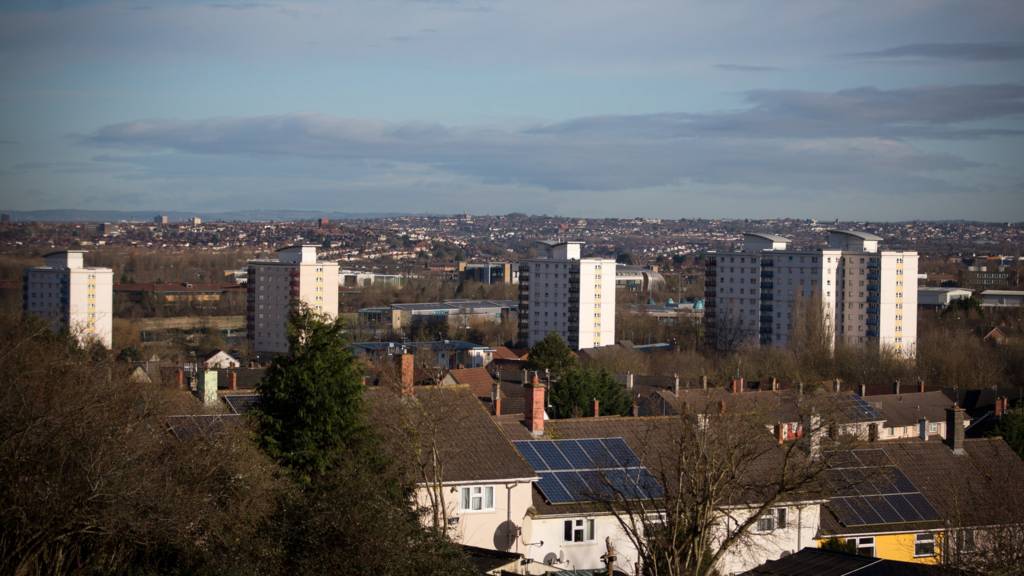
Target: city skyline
x,y
812,110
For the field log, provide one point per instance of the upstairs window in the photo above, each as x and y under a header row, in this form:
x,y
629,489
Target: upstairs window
x,y
865,546
924,545
579,530
476,498
774,519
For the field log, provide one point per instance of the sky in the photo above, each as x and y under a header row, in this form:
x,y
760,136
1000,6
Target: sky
x,y
894,110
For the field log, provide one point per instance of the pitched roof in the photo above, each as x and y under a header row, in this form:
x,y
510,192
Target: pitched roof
x,y
451,419
478,380
908,409
505,353
822,562
977,488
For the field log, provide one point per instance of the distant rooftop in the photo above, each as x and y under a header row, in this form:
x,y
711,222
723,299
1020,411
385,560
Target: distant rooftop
x,y
857,234
769,237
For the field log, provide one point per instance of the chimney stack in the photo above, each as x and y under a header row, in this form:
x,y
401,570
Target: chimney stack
x,y
863,389
408,371
597,408
535,406
922,429
207,387
233,380
636,407
837,384
780,433
181,378
675,384
496,398
629,381
775,384
704,382
896,386
920,385
955,429
1002,405
737,385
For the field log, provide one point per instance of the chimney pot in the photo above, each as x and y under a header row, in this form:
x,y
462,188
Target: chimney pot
x,y
863,390
597,408
775,384
629,381
737,385
233,380
181,378
896,387
675,384
920,385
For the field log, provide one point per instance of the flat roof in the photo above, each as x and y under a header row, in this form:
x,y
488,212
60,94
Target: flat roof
x,y
943,289
766,236
856,234
297,246
1003,293
65,252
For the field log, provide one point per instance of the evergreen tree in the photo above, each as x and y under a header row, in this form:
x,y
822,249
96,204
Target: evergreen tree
x,y
574,393
552,353
311,398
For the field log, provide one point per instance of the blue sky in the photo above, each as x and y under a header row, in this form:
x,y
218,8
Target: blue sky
x,y
823,108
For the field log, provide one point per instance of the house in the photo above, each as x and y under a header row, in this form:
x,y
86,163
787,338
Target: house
x,y
220,360
821,562
570,528
477,379
444,354
913,415
916,500
468,476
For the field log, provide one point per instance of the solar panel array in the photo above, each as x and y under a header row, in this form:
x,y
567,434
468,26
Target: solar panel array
x,y
588,469
868,489
859,410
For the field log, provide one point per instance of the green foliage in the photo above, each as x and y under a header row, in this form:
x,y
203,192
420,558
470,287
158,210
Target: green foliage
x,y
311,398
552,353
574,393
840,545
1011,428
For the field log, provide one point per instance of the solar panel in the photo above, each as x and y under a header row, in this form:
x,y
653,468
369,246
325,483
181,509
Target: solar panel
x,y
531,456
553,490
552,455
868,489
588,469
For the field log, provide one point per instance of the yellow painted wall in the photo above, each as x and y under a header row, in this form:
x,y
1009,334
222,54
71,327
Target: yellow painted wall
x,y
901,547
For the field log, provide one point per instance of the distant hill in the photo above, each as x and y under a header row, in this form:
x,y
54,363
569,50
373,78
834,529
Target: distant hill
x,y
177,216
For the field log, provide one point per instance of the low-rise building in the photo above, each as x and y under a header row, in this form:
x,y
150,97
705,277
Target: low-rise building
x,y
1002,298
940,297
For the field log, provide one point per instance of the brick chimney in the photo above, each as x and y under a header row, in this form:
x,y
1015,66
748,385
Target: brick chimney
x,y
407,366
922,429
955,429
896,386
534,409
920,385
775,384
496,398
780,433
1001,406
232,380
629,381
181,378
721,406
597,408
737,385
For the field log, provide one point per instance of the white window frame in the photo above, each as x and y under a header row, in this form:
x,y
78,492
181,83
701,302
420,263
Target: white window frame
x,y
773,519
924,538
865,543
579,530
476,498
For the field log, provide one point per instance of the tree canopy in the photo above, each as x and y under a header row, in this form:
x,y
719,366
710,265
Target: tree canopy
x,y
574,393
552,353
311,397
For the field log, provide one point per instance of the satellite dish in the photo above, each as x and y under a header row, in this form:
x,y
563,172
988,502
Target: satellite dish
x,y
551,559
505,535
